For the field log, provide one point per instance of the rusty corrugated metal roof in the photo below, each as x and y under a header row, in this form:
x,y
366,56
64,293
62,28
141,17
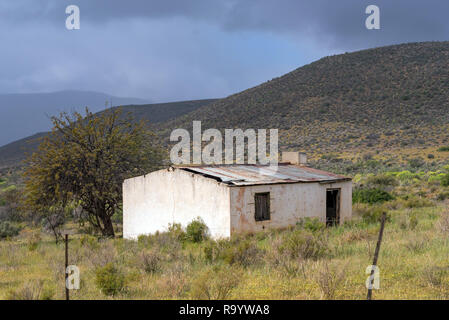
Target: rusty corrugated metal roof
x,y
247,174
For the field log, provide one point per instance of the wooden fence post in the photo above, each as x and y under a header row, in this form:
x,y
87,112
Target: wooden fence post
x,y
376,254
66,265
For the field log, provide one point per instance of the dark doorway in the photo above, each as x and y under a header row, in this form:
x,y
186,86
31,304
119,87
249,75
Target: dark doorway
x,y
332,207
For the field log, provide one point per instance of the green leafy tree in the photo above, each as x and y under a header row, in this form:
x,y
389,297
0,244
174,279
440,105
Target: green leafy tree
x,y
85,160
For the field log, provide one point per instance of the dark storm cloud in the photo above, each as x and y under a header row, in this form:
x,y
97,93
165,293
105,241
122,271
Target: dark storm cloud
x,y
181,49
341,23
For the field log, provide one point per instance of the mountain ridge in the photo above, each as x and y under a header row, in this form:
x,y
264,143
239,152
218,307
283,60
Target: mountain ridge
x,y
24,114
13,153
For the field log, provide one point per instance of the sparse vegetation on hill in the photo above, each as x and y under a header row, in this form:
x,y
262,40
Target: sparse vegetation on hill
x,y
389,97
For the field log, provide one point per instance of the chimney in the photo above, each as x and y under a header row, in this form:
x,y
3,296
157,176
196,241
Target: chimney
x,y
298,158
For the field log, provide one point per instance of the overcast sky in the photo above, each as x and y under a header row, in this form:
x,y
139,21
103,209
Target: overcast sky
x,y
181,49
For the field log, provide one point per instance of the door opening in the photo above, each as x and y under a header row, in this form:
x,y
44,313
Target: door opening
x,y
332,207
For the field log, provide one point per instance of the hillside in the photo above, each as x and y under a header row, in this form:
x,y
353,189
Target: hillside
x,y
13,153
381,98
388,98
22,115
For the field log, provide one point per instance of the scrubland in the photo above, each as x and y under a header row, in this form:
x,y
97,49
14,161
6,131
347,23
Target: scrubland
x,y
306,261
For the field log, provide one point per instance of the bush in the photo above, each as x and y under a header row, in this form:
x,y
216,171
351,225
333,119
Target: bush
x,y
33,241
215,283
32,290
417,245
443,223
445,180
370,196
408,221
176,231
311,224
443,149
197,230
416,202
304,245
435,276
369,214
110,280
8,230
442,195
381,181
416,163
151,261
165,242
89,241
244,253
329,279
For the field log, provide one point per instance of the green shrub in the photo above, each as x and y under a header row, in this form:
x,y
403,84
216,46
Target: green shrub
x,y
416,163
304,245
165,242
151,261
406,176
33,240
10,188
89,241
443,195
416,202
31,290
243,253
311,224
445,180
8,230
110,280
215,283
382,180
409,221
369,214
443,149
212,251
197,230
370,196
176,231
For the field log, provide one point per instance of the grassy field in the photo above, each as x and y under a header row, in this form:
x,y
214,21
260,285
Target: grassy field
x,y
305,262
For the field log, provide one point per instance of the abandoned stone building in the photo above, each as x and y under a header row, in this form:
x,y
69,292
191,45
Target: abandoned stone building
x,y
235,198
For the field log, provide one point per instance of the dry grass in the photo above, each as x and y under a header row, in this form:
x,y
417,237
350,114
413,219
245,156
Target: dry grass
x,y
412,262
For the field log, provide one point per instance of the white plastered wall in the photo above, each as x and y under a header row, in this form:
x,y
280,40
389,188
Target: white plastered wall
x,y
153,201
